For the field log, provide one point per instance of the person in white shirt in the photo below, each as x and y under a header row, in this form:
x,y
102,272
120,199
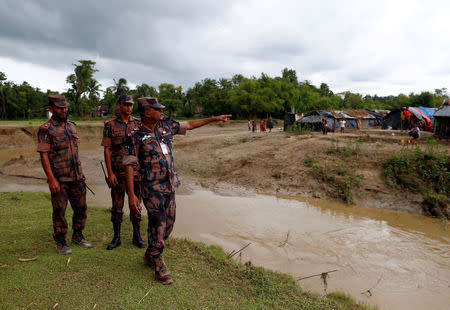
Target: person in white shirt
x,y
342,125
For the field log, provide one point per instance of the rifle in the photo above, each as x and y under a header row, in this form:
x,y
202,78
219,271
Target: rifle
x,y
104,173
89,188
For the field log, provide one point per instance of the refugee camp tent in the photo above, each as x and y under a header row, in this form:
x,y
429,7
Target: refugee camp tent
x,y
378,114
393,120
314,120
428,111
350,121
424,121
364,120
442,121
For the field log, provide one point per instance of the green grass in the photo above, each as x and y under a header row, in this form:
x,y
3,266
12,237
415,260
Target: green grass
x,y
204,277
425,171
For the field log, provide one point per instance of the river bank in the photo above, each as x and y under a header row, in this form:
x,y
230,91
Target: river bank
x,y
228,158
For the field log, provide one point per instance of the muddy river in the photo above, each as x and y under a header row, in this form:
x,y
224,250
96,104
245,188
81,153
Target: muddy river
x,y
386,258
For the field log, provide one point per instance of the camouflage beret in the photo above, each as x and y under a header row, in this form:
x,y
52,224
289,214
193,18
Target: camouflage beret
x,y
125,99
149,102
58,101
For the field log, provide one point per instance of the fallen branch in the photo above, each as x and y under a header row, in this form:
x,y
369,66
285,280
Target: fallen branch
x,y
236,252
369,290
323,274
285,240
27,259
144,296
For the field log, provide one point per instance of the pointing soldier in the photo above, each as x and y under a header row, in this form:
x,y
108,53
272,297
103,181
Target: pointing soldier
x,y
151,151
58,148
115,133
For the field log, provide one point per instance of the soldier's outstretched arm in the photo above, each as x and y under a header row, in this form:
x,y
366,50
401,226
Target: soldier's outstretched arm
x,y
53,183
192,124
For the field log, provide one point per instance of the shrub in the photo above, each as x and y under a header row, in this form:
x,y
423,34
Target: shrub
x,y
435,205
309,161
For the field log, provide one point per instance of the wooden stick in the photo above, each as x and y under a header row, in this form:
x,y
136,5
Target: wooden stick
x,y
368,291
231,255
144,296
317,275
27,259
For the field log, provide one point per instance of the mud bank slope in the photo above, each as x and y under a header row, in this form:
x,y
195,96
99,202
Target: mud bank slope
x,y
229,158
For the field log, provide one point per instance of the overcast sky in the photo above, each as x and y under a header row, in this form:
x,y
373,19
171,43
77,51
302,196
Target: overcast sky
x,y
372,47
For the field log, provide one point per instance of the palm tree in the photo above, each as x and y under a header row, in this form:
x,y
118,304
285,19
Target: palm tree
x,y
2,95
81,78
120,87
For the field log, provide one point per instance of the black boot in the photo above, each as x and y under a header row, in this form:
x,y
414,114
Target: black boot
x,y
115,242
137,240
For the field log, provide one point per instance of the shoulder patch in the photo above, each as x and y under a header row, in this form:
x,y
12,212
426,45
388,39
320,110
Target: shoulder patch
x,y
72,122
45,126
109,120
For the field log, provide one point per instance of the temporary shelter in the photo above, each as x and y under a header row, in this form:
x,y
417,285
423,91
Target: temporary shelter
x,y
393,120
314,119
442,120
378,114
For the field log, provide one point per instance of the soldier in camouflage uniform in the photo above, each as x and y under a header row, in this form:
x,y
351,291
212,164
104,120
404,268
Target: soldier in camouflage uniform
x,y
58,148
115,133
151,151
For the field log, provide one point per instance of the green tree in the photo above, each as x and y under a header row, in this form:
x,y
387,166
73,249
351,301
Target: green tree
x,y
80,80
120,87
109,98
171,97
2,95
290,75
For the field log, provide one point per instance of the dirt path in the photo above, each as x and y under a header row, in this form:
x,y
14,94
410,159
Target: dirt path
x,y
229,159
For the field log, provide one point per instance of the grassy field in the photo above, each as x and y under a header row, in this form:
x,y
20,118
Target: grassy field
x,y
40,121
96,278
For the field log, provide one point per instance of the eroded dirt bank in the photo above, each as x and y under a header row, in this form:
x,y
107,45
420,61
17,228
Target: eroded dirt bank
x,y
229,159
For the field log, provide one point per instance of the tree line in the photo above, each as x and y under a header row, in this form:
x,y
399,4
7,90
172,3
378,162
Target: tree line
x,y
244,97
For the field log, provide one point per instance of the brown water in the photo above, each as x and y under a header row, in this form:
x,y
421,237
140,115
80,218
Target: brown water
x,y
407,255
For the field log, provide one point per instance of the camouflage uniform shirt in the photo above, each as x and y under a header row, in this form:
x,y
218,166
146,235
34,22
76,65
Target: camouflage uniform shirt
x,y
60,140
152,153
115,135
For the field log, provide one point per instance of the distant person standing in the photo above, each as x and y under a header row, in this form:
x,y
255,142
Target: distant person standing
x,y
116,131
406,118
262,125
324,126
342,125
58,148
249,125
253,125
270,123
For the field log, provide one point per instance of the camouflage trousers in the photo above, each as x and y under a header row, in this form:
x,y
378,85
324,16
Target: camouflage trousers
x,y
75,192
161,209
118,199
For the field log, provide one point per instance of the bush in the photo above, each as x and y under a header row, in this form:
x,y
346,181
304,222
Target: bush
x,y
309,161
435,205
341,179
419,171
300,128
